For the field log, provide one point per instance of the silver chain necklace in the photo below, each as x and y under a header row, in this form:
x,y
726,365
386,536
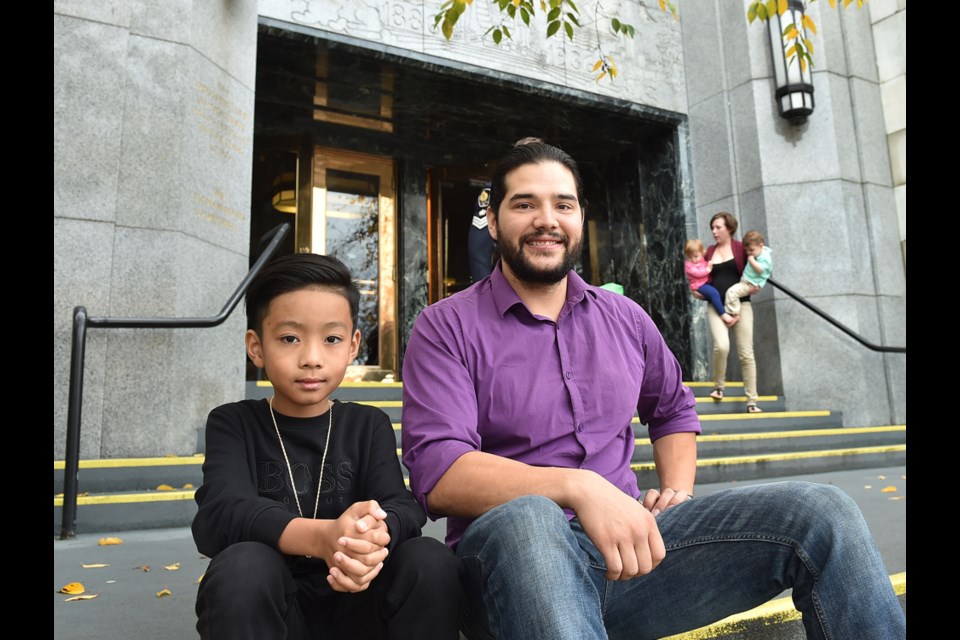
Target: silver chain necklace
x,y
323,460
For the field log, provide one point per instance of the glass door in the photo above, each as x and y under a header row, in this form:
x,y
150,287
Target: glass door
x,y
351,216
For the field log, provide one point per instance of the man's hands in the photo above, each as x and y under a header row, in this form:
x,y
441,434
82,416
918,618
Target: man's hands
x,y
354,546
621,528
656,502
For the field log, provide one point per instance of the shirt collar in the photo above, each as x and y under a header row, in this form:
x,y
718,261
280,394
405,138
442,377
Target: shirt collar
x,y
504,297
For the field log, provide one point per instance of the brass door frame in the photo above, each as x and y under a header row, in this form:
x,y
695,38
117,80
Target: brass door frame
x,y
310,237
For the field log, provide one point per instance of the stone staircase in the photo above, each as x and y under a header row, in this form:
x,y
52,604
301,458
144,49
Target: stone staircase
x,y
123,494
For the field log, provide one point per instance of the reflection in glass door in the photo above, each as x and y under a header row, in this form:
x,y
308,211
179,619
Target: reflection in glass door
x,y
352,218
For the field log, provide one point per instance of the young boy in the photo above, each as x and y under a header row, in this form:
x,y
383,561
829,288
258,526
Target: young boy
x,y
755,273
303,508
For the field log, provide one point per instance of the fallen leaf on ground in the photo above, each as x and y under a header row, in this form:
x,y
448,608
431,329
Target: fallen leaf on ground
x,y
111,581
73,588
189,485
868,486
164,592
94,566
172,567
165,487
897,498
881,477
889,489
143,568
108,541
200,578
903,477
89,596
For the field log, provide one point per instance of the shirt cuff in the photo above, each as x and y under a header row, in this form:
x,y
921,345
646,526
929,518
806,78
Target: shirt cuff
x,y
428,468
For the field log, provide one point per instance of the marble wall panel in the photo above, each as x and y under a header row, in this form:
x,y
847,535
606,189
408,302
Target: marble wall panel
x,y
414,259
663,217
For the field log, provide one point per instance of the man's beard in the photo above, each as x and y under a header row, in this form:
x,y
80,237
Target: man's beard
x,y
521,267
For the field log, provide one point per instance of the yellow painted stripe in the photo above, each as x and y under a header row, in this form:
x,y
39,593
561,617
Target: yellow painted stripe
x,y
759,416
129,498
379,403
711,385
774,612
708,399
780,457
119,463
800,433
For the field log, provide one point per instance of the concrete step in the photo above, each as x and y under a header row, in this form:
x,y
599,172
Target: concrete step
x,y
133,474
118,510
735,446
725,445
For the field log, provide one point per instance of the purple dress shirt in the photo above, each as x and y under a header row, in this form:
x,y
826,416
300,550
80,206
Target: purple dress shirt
x,y
481,373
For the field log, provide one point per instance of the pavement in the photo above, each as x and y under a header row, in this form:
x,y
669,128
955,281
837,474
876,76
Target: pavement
x,y
151,561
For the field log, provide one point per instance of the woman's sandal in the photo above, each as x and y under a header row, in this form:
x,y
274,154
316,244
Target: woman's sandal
x,y
752,408
717,394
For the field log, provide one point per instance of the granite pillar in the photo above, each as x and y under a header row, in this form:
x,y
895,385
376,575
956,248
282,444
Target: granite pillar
x,y
153,121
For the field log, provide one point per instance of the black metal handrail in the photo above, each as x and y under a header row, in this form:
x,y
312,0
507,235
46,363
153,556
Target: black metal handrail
x,y
847,330
81,322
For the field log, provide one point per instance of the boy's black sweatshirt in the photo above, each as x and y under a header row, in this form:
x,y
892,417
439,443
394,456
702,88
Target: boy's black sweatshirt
x,y
246,493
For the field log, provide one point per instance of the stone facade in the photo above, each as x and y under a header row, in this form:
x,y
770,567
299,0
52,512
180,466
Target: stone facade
x,y
153,138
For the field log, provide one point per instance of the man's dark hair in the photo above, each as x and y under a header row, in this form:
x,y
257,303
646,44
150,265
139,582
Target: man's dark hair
x,y
532,153
294,272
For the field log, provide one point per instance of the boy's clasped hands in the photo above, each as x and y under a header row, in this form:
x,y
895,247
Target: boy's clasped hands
x,y
354,546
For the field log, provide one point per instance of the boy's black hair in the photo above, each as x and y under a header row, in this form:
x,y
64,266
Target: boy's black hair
x,y
297,271
532,153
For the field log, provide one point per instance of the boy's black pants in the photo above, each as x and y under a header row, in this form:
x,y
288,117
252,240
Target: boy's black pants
x,y
249,591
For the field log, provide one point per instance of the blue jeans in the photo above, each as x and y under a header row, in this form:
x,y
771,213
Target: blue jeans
x,y
710,292
532,574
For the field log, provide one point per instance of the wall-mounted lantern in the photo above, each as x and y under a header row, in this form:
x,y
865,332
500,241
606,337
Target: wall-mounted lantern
x,y
794,93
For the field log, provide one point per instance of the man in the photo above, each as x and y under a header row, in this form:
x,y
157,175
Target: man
x,y
518,399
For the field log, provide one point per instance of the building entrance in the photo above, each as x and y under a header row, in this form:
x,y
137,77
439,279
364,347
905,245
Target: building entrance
x,y
348,211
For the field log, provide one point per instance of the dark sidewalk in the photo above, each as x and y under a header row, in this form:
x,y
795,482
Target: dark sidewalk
x,y
127,605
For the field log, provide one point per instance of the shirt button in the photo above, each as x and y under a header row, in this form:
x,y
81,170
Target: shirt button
x,y
569,375
580,427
